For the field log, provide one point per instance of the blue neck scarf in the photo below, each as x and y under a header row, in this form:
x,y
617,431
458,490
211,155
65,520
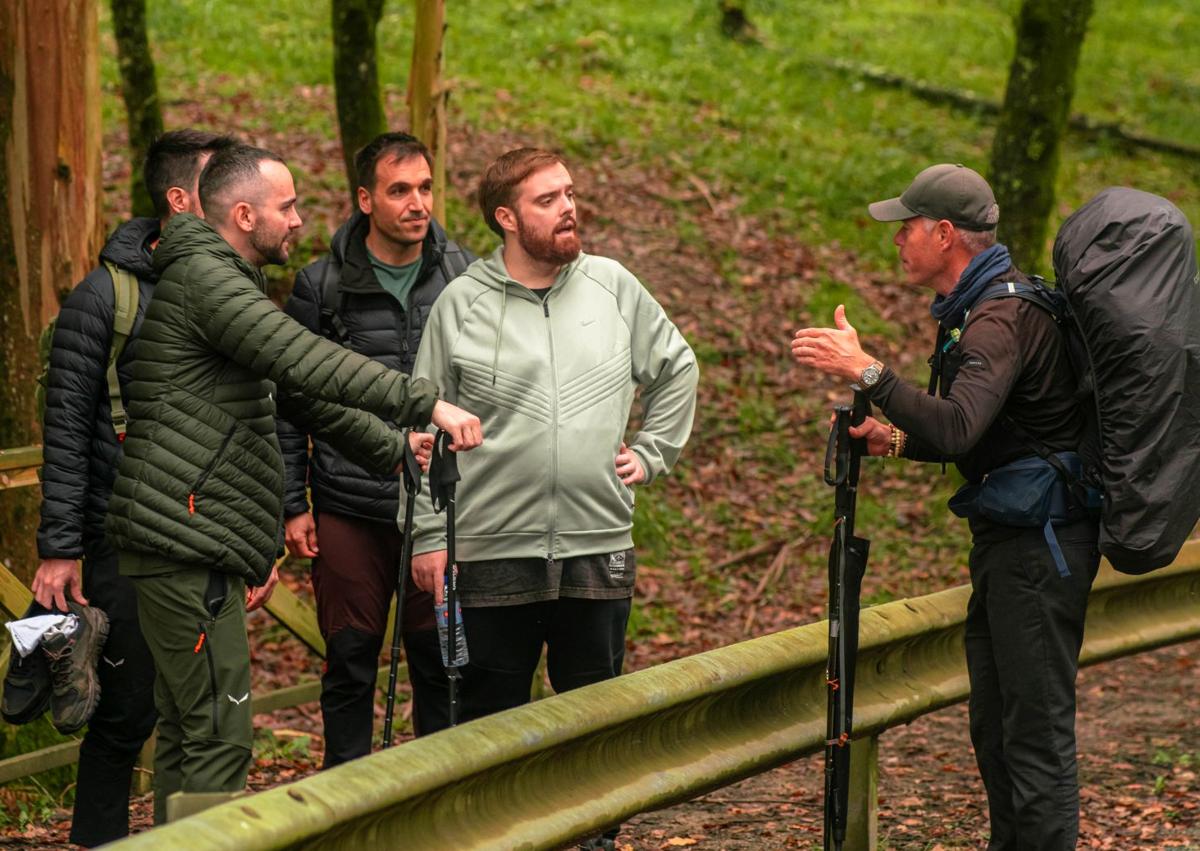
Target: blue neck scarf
x,y
985,267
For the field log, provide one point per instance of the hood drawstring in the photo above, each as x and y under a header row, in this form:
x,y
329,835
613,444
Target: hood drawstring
x,y
499,329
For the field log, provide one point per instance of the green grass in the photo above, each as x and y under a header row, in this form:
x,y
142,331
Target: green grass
x,y
767,122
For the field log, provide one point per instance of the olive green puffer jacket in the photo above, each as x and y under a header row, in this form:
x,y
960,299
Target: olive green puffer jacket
x,y
201,481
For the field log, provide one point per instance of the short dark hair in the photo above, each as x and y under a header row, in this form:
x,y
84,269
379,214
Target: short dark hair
x,y
173,160
400,146
500,181
228,169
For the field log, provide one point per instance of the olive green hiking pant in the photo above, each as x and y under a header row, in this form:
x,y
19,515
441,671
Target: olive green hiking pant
x,y
194,621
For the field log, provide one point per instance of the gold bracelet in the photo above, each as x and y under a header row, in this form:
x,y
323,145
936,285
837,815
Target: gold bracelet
x,y
897,442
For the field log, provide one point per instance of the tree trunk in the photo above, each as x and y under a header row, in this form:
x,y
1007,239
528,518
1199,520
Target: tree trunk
x,y
356,77
140,92
1037,104
50,227
426,94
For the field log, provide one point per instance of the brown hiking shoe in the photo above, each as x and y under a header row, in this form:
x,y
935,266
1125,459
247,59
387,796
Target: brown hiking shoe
x,y
73,657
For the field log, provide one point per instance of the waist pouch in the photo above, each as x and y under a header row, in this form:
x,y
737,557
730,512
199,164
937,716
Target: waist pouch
x,y
1029,492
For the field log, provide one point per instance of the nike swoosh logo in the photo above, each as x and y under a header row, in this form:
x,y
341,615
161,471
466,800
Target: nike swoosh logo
x,y
238,701
115,664
587,321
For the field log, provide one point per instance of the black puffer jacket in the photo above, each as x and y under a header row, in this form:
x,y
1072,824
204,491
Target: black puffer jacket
x,y
81,451
376,325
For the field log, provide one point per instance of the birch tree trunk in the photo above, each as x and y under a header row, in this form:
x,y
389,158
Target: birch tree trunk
x,y
50,227
1033,119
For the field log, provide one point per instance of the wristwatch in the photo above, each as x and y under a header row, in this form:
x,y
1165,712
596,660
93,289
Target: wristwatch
x,y
870,376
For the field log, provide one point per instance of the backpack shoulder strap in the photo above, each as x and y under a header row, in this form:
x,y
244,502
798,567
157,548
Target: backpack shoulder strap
x,y
454,261
330,293
1034,293
125,305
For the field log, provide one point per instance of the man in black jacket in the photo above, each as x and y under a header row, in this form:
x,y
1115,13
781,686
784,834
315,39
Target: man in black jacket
x,y
372,294
1006,394
80,457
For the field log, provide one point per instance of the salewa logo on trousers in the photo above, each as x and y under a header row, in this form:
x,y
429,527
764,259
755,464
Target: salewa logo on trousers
x,y
616,565
238,701
115,664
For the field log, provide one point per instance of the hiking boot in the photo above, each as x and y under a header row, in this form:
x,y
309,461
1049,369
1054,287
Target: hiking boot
x,y
73,657
26,687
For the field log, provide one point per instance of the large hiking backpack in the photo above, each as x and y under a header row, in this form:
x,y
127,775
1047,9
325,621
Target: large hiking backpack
x,y
125,306
1126,263
1128,300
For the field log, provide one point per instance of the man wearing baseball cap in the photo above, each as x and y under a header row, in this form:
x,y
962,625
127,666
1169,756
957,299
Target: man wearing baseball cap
x,y
1000,405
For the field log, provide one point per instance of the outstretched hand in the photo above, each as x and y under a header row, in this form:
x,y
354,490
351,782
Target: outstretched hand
x,y
834,351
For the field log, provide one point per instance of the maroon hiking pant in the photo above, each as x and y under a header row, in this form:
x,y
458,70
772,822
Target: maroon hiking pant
x,y
354,577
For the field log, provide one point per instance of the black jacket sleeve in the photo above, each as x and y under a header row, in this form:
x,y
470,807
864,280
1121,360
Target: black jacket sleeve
x,y
304,307
951,426
77,380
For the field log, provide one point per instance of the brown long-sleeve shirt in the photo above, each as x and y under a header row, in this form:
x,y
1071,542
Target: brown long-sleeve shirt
x,y
1013,365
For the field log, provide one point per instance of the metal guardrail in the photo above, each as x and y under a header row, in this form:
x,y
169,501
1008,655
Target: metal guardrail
x,y
551,772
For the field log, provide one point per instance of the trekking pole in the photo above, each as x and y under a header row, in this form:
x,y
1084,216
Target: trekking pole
x,y
443,477
847,564
412,486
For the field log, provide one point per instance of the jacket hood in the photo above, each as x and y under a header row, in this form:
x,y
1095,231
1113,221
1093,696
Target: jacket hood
x,y
129,247
350,240
491,270
186,234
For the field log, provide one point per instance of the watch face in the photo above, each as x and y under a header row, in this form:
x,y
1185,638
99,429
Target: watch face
x,y
870,376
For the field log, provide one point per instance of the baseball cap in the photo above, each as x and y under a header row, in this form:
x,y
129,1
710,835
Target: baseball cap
x,y
949,191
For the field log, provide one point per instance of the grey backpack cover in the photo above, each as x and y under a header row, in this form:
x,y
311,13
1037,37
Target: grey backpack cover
x,y
1126,261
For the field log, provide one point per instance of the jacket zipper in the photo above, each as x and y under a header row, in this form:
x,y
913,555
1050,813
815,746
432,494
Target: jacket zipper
x,y
212,671
204,474
550,548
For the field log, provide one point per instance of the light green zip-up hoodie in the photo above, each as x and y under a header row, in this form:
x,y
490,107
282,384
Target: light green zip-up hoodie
x,y
553,383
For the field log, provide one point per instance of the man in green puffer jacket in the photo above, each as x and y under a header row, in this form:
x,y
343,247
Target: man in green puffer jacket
x,y
196,511
548,345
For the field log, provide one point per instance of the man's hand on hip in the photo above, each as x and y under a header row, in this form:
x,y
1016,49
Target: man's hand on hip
x,y
56,577
300,535
629,466
429,570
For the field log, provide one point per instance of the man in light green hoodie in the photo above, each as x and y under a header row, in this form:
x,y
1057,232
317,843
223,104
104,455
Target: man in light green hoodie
x,y
547,345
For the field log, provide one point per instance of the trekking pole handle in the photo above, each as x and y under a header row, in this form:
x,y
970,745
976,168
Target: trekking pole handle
x,y
411,467
837,450
443,471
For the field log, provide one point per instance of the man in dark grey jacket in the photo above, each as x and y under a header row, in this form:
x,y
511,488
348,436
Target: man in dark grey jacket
x,y
371,294
81,453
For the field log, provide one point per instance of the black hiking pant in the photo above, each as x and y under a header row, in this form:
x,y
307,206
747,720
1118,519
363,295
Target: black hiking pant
x,y
354,580
1024,629
125,714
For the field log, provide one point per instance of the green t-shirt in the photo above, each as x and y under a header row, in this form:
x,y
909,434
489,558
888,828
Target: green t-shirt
x,y
397,280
